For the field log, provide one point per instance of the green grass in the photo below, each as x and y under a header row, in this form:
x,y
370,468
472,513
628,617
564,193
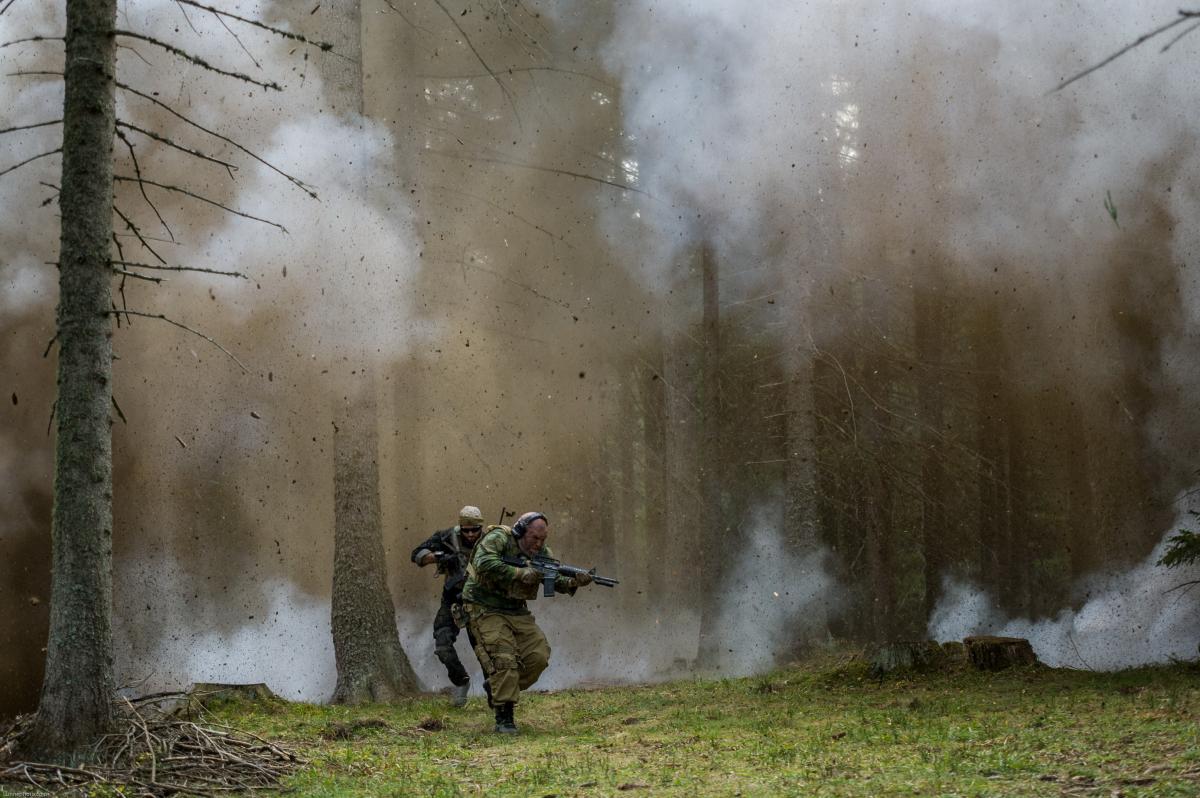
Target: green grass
x,y
808,731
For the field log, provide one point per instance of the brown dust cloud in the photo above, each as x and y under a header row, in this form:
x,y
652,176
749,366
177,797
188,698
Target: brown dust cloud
x,y
957,317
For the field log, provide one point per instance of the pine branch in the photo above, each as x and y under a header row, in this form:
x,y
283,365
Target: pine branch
x,y
201,198
294,181
133,228
186,18
30,127
296,37
31,39
411,24
479,57
515,70
1184,16
181,326
133,265
15,167
538,168
197,60
137,276
245,50
1175,41
229,167
137,170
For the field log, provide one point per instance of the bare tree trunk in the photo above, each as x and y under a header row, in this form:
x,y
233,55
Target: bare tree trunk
x,y
371,665
935,531
681,453
713,526
77,692
992,446
801,511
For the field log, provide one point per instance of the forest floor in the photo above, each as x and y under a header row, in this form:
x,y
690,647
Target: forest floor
x,y
814,730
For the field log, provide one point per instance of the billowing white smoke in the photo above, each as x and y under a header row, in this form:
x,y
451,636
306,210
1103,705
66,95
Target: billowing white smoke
x,y
283,640
1130,619
773,600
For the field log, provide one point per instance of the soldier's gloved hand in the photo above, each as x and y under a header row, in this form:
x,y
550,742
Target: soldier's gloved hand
x,y
527,576
583,579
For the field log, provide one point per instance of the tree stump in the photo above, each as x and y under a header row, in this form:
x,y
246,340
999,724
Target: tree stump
x,y
904,655
989,653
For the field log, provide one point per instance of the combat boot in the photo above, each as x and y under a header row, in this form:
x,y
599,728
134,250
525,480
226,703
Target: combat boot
x,y
504,719
458,693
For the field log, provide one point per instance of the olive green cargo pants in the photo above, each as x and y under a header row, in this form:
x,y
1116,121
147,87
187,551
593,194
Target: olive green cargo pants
x,y
512,651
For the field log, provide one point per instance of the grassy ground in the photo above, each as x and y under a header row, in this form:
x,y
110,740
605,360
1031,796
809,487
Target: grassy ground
x,y
815,731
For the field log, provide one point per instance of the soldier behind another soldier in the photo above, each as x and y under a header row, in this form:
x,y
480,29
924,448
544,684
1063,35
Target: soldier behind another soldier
x,y
450,549
510,646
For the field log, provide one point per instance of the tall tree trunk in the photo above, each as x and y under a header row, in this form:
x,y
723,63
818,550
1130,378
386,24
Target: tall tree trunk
x,y
992,445
653,529
935,533
77,692
712,529
801,513
681,454
371,665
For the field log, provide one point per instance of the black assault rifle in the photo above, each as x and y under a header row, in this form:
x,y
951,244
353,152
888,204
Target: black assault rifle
x,y
549,569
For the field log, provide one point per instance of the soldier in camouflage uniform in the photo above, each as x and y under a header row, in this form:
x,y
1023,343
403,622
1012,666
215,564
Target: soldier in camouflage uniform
x,y
510,646
450,549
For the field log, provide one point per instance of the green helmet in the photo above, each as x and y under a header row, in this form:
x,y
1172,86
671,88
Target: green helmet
x,y
470,516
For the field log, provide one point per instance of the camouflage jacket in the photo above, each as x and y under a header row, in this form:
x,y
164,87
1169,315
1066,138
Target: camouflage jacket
x,y
492,583
447,541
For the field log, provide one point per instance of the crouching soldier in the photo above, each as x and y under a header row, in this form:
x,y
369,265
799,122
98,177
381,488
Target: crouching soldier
x,y
511,648
450,550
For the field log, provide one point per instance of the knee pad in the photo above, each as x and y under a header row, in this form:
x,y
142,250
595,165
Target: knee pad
x,y
504,662
536,662
444,638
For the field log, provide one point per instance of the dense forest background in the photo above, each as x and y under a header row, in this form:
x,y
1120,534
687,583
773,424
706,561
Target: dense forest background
x,y
806,323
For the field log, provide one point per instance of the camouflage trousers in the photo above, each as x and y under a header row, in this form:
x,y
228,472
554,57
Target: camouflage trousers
x,y
511,648
445,632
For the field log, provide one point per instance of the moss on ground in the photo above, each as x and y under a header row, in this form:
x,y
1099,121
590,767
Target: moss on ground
x,y
807,731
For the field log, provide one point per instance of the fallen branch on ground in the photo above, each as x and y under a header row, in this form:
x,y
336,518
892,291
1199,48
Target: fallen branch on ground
x,y
157,752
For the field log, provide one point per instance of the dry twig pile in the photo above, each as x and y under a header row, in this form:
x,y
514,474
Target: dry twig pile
x,y
160,750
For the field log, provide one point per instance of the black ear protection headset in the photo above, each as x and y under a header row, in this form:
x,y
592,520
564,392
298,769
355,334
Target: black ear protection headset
x,y
522,525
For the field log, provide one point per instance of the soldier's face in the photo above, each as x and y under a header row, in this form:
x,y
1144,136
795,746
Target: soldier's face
x,y
470,534
535,537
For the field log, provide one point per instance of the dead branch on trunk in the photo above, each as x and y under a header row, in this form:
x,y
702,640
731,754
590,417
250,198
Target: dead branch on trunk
x,y
30,127
1183,17
296,37
195,196
137,233
31,39
307,189
163,317
150,134
137,170
15,167
135,265
482,62
537,168
195,59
